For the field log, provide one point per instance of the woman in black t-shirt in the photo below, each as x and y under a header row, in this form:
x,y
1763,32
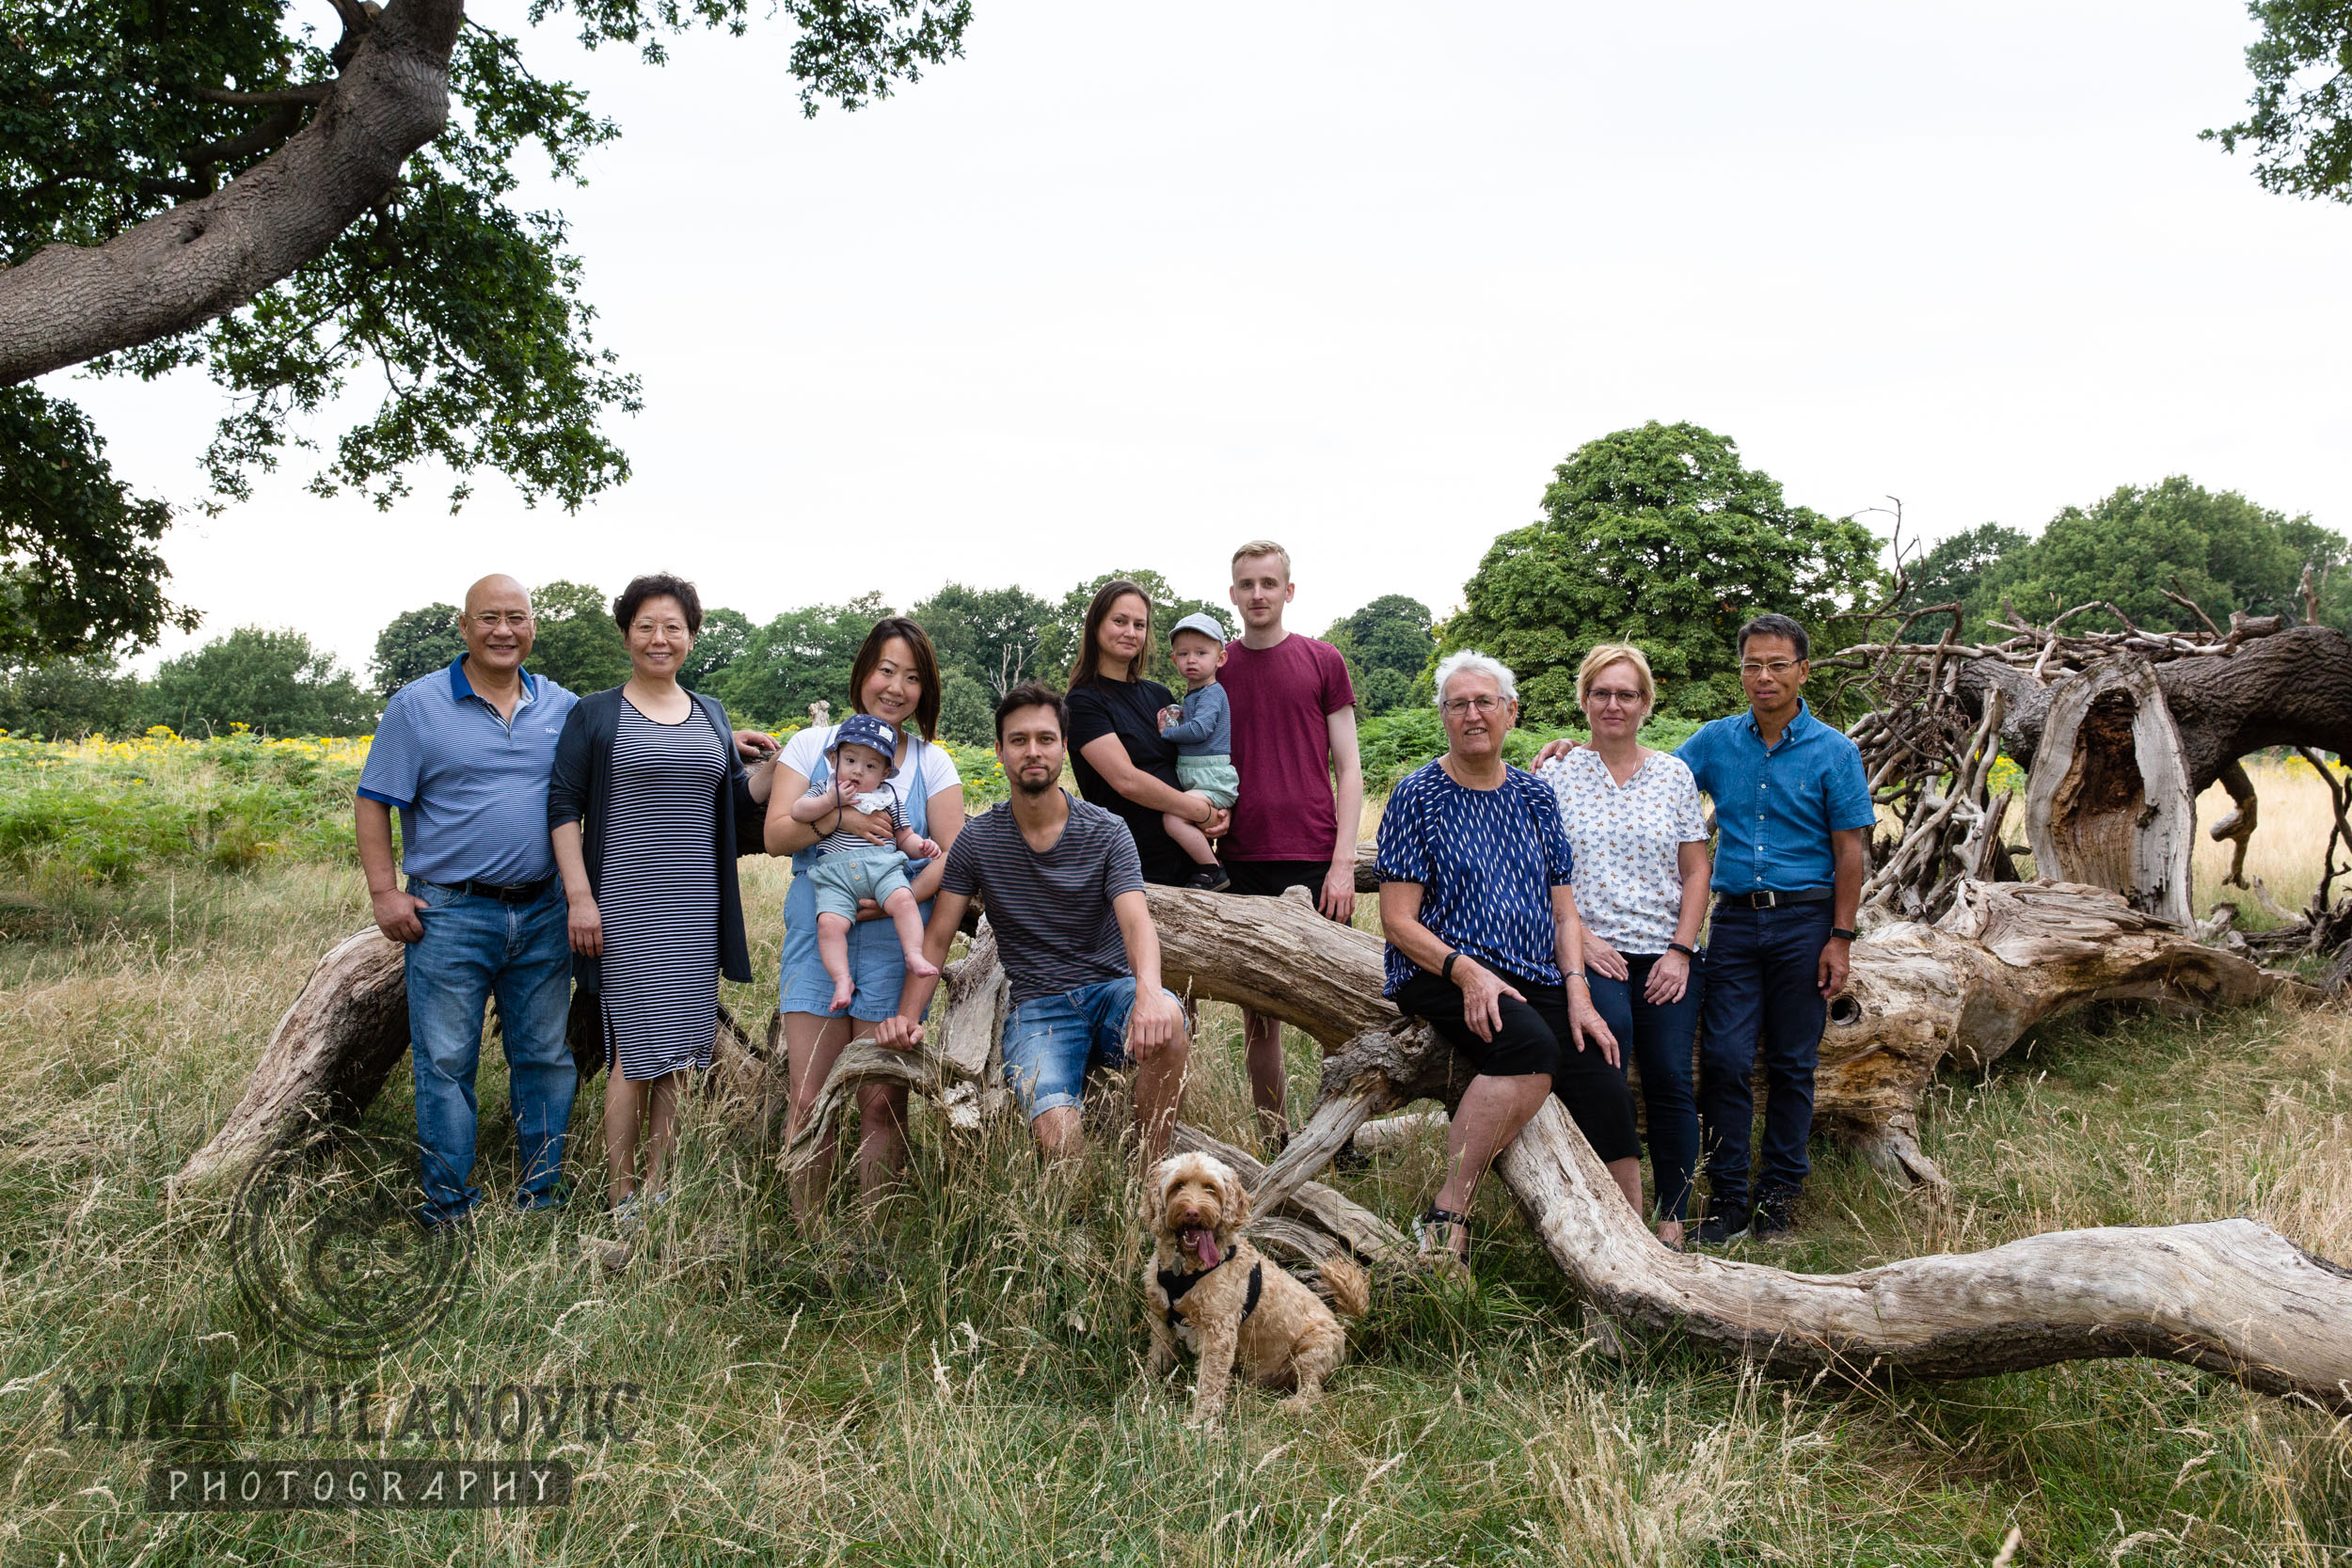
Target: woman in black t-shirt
x,y
1115,747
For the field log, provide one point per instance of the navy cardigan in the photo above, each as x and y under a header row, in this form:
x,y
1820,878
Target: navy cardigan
x,y
582,792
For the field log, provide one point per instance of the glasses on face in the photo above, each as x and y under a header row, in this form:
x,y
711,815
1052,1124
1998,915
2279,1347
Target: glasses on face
x,y
1457,707
490,620
1776,669
1609,696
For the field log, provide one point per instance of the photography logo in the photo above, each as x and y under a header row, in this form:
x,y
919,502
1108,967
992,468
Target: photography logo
x,y
327,1249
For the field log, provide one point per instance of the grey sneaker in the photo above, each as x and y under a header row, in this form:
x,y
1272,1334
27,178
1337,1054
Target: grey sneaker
x,y
626,1215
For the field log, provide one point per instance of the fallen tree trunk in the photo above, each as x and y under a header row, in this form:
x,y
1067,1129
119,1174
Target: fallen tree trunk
x,y
328,1058
2006,957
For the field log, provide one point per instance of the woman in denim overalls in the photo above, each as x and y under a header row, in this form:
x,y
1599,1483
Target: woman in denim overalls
x,y
895,678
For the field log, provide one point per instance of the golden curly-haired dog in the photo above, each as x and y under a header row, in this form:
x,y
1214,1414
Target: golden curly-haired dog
x,y
1208,1288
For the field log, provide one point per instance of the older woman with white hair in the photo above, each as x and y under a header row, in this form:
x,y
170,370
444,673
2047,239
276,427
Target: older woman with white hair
x,y
1634,825
1484,943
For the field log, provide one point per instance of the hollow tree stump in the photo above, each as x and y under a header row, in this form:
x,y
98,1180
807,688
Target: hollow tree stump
x,y
2109,799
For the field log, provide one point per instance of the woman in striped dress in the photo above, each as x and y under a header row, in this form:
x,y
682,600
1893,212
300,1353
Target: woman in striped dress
x,y
644,806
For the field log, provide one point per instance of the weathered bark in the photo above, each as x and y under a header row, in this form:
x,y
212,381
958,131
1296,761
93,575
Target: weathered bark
x,y
2111,803
2007,956
2291,688
203,259
2233,1296
328,1058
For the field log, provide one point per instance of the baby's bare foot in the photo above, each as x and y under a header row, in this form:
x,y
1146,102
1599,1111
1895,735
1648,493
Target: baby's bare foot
x,y
917,964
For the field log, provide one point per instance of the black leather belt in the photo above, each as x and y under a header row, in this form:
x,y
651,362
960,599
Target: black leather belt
x,y
507,893
1765,898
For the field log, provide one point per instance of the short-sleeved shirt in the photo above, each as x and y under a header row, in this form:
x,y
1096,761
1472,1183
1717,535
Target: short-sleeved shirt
x,y
1131,711
1776,809
925,773
1283,698
1056,929
1628,840
1487,860
884,799
471,787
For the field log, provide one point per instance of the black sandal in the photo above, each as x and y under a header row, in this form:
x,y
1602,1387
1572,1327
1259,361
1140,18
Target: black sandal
x,y
1425,1241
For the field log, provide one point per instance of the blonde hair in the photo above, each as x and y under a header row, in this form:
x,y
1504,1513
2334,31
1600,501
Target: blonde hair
x,y
1607,654
1265,547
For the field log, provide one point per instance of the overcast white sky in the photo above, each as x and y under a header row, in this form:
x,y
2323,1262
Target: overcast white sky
x,y
1126,285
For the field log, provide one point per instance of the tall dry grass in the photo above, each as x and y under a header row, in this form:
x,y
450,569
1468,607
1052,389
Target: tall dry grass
x,y
959,1379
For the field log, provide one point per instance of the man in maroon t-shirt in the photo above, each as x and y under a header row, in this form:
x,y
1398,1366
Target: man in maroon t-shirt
x,y
1294,748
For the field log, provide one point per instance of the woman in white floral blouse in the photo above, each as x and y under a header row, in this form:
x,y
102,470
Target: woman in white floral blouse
x,y
1640,839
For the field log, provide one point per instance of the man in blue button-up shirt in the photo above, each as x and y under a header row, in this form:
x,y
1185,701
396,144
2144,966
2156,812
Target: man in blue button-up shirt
x,y
1793,815
464,757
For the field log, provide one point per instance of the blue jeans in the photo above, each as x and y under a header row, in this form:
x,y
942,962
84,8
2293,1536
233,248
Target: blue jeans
x,y
1659,1038
473,949
1051,1042
1763,994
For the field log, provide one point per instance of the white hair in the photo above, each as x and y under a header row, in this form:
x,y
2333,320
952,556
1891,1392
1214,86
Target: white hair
x,y
1470,661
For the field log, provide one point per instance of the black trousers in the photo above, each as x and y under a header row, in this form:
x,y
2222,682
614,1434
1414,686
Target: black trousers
x,y
1535,1038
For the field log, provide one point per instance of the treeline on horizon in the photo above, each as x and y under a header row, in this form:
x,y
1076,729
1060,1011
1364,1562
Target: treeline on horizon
x,y
1658,535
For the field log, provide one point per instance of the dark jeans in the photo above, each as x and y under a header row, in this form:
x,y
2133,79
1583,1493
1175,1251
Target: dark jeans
x,y
1763,993
1659,1039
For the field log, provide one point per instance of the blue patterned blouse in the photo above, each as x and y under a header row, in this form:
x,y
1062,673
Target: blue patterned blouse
x,y
1487,860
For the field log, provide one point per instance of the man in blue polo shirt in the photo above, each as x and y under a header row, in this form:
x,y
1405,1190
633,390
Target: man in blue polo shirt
x,y
1793,816
464,757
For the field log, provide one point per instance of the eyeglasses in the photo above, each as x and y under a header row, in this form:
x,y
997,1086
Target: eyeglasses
x,y
1612,697
1776,669
1457,707
490,620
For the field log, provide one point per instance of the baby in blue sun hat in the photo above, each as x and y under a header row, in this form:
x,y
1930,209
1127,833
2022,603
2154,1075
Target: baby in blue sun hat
x,y
849,866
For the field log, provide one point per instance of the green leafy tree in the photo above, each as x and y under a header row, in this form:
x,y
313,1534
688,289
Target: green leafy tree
x,y
416,642
1387,645
2216,546
1062,636
725,636
802,657
1970,569
577,644
68,698
967,711
79,571
1658,536
2298,124
271,681
302,215
993,635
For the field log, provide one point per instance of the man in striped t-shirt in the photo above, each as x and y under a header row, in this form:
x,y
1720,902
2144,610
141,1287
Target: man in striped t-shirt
x,y
1064,887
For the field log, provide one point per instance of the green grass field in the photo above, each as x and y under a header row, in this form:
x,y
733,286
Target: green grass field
x,y
960,1381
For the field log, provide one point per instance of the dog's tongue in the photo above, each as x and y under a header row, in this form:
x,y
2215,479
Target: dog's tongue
x,y
1202,1241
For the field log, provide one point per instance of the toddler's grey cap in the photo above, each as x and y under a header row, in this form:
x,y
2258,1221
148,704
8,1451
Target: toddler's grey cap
x,y
1199,621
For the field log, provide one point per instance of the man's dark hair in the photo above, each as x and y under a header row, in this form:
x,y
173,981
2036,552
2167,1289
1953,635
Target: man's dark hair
x,y
1776,625
1031,694
655,586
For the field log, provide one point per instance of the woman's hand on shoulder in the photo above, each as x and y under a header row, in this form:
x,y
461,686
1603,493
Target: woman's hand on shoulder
x,y
1552,750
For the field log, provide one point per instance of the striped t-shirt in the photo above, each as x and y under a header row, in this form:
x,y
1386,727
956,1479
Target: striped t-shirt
x,y
833,842
1051,912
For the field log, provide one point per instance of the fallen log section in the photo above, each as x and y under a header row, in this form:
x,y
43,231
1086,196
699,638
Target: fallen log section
x,y
2231,1296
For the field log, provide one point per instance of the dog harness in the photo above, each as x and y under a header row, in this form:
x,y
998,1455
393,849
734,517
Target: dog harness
x,y
1177,1284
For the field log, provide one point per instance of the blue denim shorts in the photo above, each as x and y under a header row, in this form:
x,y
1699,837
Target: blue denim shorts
x,y
1051,1042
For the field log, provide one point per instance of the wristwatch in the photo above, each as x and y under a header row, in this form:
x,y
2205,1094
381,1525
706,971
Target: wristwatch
x,y
1684,948
1447,972
1840,931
